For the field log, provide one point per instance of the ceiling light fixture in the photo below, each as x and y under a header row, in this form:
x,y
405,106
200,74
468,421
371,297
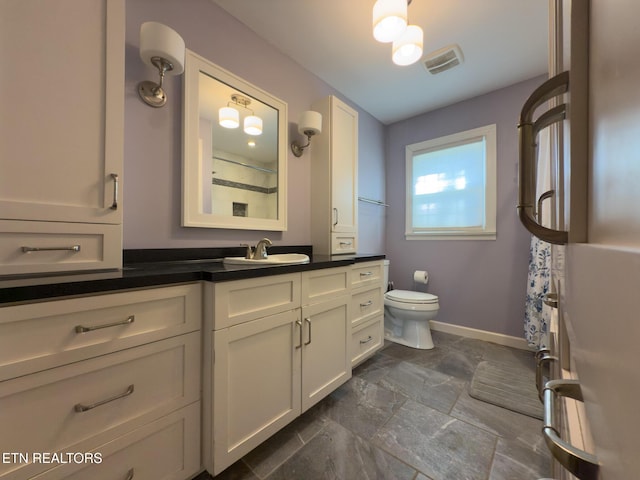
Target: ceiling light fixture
x,y
389,19
390,25
253,125
229,117
408,48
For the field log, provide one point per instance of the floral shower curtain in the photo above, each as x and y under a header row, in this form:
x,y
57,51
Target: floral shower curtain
x,y
536,317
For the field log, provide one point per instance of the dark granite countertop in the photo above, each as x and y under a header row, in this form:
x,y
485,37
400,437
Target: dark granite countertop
x,y
149,268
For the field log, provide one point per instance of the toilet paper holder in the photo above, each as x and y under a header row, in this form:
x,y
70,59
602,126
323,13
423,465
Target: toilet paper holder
x,y
421,276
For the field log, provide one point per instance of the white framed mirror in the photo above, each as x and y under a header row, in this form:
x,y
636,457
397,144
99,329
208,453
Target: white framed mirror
x,y
233,169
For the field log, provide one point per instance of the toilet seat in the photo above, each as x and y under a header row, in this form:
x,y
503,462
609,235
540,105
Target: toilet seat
x,y
409,296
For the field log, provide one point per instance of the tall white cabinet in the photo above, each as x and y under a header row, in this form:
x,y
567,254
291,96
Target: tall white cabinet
x,y
334,179
61,140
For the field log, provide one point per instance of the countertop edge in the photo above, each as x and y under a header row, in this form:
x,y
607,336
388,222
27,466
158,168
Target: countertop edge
x,y
36,289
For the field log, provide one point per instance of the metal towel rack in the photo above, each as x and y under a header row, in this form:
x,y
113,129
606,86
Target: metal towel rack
x,y
582,464
375,202
527,136
543,359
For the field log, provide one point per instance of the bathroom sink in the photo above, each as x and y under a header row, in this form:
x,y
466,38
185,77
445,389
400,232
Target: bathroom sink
x,y
276,259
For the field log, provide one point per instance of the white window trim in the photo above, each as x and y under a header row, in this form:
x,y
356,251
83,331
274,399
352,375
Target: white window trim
x,y
488,231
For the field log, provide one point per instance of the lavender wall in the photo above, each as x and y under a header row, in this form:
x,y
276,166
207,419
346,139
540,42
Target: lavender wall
x,y
481,284
371,185
152,180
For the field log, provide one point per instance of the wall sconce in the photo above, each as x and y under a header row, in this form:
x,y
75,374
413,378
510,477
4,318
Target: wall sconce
x,y
310,124
163,48
229,117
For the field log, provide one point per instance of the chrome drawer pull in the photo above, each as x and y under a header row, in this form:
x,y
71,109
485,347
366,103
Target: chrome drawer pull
x,y
345,244
582,464
543,197
308,320
542,358
130,319
366,274
551,300
366,304
299,324
114,205
72,248
130,475
369,338
83,408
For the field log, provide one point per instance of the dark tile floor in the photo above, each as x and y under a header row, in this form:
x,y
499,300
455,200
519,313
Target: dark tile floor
x,y
406,414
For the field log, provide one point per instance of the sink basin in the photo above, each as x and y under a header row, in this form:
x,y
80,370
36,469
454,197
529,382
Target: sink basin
x,y
277,259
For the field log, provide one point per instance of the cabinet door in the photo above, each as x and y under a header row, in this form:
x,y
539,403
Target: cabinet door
x,y
326,360
344,167
61,141
256,384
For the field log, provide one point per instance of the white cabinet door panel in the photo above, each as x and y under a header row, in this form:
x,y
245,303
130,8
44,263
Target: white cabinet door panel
x,y
326,360
62,110
256,384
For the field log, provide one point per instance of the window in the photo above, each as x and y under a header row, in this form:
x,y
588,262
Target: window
x,y
451,186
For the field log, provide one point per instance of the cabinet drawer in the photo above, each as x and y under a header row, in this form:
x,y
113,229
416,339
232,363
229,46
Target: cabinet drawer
x,y
366,274
365,304
343,243
244,300
366,339
325,284
63,247
166,449
44,335
81,406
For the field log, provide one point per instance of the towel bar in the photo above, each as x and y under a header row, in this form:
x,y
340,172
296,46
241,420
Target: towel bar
x,y
527,132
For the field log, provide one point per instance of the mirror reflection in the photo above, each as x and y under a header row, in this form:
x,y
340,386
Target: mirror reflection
x,y
234,151
239,158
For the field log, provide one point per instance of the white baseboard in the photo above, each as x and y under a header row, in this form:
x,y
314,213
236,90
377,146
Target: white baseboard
x,y
468,332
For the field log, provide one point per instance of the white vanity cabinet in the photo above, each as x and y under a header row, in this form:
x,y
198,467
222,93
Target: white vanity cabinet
x,y
61,141
367,307
325,332
116,374
276,346
334,169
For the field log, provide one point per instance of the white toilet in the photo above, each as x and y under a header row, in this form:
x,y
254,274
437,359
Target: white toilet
x,y
407,314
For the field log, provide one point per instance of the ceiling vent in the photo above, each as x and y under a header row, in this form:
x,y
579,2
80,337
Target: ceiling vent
x,y
443,59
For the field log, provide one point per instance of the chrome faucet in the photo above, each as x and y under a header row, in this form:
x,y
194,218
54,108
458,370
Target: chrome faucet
x,y
261,248
249,254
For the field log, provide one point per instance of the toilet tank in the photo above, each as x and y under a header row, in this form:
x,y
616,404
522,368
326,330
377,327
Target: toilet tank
x,y
385,275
